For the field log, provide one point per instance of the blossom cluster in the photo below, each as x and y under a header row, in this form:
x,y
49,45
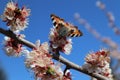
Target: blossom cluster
x,y
17,20
58,43
12,47
99,62
40,61
15,17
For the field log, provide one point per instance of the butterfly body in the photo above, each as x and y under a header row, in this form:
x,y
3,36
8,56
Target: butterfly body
x,y
65,29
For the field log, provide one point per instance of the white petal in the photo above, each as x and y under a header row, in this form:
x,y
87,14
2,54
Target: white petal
x,y
37,44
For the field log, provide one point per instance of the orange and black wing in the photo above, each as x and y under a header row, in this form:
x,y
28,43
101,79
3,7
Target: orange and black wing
x,y
60,24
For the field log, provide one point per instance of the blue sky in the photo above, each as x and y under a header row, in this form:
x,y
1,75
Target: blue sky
x,y
40,24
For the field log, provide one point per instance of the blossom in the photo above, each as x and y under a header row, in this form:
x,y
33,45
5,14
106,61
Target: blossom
x,y
15,17
67,76
54,72
67,48
40,61
100,5
39,56
99,62
12,47
59,43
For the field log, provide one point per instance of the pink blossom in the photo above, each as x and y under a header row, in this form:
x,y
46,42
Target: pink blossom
x,y
15,17
99,62
12,48
58,43
40,61
67,75
100,5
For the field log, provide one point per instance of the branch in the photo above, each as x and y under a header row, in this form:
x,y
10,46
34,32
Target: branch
x,y
19,40
109,16
55,56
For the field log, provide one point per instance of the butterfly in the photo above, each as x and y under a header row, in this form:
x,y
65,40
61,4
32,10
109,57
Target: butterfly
x,y
64,28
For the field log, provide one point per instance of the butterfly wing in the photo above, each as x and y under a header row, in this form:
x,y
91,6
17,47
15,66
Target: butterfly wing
x,y
64,28
57,20
73,31
59,25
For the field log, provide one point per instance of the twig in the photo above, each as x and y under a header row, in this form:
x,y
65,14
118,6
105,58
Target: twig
x,y
109,16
